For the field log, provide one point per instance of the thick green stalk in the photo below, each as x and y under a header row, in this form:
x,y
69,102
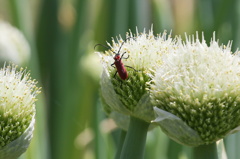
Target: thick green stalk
x,y
222,154
206,152
174,150
120,143
134,144
51,55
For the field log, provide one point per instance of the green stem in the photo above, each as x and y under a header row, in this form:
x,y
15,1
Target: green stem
x,y
174,150
134,144
221,149
206,152
120,143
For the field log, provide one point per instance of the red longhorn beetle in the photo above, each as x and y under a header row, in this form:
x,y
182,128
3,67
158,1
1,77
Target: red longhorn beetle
x,y
121,70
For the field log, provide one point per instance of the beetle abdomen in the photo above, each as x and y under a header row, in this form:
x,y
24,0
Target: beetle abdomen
x,y
122,72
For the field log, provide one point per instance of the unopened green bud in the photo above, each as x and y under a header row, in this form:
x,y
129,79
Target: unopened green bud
x,y
13,45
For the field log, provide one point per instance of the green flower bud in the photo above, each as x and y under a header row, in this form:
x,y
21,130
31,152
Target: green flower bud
x,y
13,45
17,111
139,55
199,85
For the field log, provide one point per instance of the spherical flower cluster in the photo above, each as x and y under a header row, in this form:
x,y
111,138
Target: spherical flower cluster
x,y
13,45
200,85
140,54
17,111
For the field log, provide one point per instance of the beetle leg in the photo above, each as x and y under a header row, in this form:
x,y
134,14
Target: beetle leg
x,y
115,74
113,65
131,68
121,83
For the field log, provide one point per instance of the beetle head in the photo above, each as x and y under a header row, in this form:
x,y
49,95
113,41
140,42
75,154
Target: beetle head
x,y
117,57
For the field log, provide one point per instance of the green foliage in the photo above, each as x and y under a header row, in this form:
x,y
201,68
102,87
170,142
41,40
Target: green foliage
x,y
70,123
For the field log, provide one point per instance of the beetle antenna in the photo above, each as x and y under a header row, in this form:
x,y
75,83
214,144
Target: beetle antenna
x,y
110,48
105,47
101,45
123,43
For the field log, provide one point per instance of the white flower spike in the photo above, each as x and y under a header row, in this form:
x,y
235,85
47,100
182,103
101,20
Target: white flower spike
x,y
200,85
140,54
17,111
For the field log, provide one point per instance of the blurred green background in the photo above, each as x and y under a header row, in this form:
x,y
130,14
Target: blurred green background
x,y
62,33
